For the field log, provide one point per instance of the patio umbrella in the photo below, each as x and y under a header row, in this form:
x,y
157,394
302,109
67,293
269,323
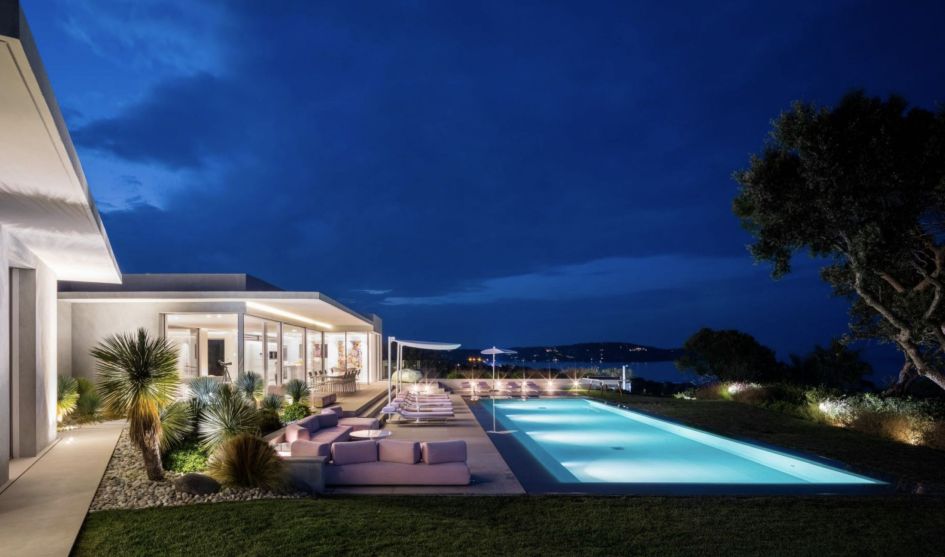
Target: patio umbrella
x,y
492,352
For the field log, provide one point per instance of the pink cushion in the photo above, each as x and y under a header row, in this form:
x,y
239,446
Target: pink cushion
x,y
295,432
439,452
334,409
309,448
329,419
354,452
405,452
309,422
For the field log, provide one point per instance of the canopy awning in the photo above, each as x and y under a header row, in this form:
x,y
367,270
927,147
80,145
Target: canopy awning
x,y
425,345
493,351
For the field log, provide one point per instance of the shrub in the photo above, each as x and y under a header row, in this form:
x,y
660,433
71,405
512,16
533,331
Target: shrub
x,y
88,406
67,396
294,412
297,390
204,391
250,385
272,402
268,421
176,424
186,458
230,415
247,461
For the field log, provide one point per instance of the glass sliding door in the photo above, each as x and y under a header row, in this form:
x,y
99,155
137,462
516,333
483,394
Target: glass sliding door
x,y
253,353
293,353
206,343
315,354
335,357
273,353
357,354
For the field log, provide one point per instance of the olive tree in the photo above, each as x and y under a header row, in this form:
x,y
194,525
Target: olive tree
x,y
861,186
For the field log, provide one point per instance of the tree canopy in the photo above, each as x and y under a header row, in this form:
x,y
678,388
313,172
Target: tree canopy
x,y
861,185
729,355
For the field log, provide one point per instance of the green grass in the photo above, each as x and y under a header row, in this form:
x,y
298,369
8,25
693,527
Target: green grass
x,y
527,525
530,525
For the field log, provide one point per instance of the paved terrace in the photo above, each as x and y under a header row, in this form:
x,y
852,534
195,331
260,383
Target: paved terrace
x,y
42,511
491,475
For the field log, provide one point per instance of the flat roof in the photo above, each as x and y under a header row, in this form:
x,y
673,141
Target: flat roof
x,y
261,298
44,198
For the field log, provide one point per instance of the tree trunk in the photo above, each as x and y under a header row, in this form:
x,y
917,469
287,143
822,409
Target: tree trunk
x,y
151,452
907,375
905,336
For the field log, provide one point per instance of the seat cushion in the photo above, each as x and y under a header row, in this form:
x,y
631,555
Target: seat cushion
x,y
440,452
309,422
328,419
354,452
332,434
295,432
335,410
310,448
404,452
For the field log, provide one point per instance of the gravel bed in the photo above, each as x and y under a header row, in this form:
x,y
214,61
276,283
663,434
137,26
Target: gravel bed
x,y
126,486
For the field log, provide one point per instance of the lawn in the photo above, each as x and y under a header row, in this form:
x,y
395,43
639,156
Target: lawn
x,y
526,525
549,525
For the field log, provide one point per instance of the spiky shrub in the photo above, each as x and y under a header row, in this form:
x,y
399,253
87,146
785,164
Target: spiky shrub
x,y
297,390
176,424
67,396
250,385
294,412
226,418
204,390
137,377
272,402
247,461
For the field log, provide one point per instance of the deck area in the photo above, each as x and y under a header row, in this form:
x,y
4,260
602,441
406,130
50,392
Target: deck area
x,y
367,396
490,474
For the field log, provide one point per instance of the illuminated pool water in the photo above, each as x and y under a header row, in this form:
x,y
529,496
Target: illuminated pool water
x,y
584,441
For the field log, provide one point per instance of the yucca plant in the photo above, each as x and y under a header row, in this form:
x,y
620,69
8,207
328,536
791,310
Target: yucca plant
x,y
67,396
298,391
250,385
204,390
247,461
229,416
176,424
272,402
137,377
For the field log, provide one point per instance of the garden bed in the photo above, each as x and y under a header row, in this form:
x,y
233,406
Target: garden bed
x,y
125,485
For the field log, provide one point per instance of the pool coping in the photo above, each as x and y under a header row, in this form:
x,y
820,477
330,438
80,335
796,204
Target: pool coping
x,y
537,480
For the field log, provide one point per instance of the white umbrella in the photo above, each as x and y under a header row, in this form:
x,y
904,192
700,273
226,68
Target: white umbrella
x,y
493,351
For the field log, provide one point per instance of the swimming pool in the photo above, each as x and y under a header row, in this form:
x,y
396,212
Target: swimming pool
x,y
579,441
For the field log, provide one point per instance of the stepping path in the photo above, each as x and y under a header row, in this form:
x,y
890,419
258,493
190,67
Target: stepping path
x,y
42,511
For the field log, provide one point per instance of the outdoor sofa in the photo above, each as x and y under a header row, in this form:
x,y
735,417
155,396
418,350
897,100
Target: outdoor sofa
x,y
396,462
314,435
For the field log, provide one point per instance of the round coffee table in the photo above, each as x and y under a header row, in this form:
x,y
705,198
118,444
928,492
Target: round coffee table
x,y
372,434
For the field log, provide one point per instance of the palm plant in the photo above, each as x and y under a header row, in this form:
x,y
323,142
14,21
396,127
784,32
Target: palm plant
x,y
250,385
137,377
229,416
176,424
67,396
297,390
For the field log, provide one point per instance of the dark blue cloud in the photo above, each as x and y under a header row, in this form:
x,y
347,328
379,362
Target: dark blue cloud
x,y
502,153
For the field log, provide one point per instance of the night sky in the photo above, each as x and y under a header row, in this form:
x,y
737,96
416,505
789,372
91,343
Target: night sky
x,y
480,172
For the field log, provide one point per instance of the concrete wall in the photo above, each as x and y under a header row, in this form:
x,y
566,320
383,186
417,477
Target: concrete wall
x,y
91,322
28,353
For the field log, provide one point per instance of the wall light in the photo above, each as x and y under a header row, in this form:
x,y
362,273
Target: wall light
x,y
287,314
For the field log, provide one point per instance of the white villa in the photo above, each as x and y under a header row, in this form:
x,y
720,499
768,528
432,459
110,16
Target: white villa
x,y
61,290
